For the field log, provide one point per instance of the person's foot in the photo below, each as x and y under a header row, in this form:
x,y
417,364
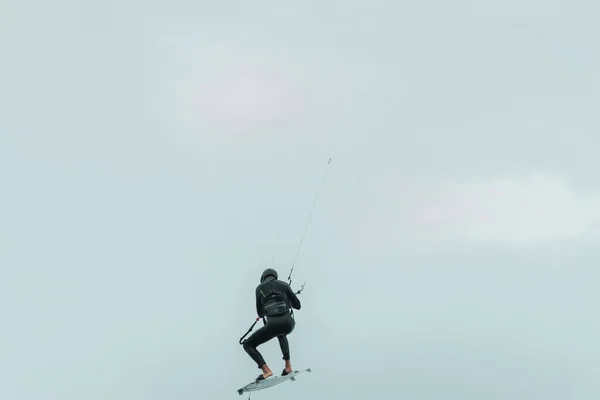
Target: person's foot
x,y
266,373
287,369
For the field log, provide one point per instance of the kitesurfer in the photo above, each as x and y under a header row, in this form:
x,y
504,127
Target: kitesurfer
x,y
274,302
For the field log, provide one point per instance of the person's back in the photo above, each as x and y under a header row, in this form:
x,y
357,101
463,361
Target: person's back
x,y
275,297
274,302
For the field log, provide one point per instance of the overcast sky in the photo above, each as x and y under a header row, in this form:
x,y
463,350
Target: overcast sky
x,y
155,157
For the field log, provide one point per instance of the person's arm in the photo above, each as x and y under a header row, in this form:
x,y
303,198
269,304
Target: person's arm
x,y
259,310
294,300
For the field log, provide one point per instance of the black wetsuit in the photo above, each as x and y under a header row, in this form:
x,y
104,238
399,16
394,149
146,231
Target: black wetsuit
x,y
274,300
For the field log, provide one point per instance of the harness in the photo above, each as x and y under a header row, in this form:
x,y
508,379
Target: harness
x,y
275,304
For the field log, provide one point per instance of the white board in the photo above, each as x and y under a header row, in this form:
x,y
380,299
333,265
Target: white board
x,y
270,382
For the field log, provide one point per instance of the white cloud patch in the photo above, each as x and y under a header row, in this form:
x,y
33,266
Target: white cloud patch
x,y
536,208
247,97
222,84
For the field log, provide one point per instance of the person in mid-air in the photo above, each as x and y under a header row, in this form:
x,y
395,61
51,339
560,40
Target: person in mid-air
x,y
274,302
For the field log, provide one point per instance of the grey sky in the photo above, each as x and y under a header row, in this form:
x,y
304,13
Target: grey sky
x,y
155,157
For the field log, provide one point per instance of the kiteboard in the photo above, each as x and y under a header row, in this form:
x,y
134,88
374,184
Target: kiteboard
x,y
270,382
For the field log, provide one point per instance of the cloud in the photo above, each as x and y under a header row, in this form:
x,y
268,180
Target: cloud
x,y
247,97
395,214
223,84
517,210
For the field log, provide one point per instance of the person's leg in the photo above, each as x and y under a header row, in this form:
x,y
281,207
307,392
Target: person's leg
x,y
285,325
285,346
263,335
285,351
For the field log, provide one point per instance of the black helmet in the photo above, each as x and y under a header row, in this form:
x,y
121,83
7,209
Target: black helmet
x,y
267,272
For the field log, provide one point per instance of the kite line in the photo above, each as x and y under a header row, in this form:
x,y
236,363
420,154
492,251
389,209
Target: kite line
x,y
241,341
306,228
